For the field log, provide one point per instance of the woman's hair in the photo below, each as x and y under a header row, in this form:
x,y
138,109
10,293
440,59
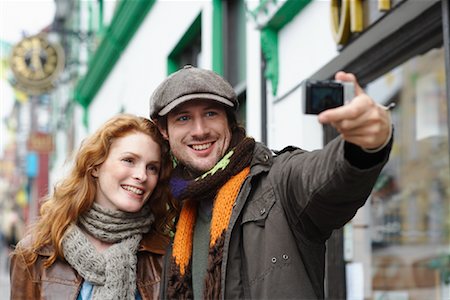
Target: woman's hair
x,y
74,195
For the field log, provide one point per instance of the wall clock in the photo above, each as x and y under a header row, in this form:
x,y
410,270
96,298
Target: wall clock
x,y
35,63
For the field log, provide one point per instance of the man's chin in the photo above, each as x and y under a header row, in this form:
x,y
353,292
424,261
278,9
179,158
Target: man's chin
x,y
199,169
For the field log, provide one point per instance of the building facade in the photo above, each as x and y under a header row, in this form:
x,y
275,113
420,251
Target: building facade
x,y
397,246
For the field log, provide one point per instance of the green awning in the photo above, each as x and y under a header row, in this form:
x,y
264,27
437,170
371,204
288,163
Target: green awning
x,y
125,22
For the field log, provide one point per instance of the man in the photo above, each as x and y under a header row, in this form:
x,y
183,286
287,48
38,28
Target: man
x,y
254,223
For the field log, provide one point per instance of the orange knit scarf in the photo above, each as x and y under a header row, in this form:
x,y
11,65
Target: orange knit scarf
x,y
182,246
222,184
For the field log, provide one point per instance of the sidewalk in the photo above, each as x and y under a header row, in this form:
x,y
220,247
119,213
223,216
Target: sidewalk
x,y
4,273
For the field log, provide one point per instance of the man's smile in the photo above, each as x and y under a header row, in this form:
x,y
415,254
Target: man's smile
x,y
200,147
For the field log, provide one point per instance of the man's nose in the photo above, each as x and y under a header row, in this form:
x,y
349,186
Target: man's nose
x,y
200,127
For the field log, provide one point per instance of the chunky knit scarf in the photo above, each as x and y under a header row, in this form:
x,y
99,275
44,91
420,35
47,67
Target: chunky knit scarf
x,y
222,183
112,272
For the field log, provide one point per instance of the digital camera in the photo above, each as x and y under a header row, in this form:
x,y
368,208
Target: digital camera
x,y
322,95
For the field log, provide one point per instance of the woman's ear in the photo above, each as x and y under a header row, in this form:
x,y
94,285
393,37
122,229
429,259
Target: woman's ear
x,y
95,172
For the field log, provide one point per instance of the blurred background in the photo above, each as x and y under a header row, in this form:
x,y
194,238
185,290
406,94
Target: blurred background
x,y
68,65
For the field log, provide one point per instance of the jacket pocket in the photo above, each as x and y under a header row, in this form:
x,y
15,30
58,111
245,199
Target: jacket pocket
x,y
259,208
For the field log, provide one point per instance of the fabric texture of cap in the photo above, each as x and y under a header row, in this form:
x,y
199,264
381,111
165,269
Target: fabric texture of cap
x,y
190,83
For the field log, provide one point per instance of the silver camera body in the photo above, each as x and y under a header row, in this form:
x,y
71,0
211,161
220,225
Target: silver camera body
x,y
322,95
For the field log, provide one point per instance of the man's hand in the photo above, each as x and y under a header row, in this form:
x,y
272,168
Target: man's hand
x,y
362,121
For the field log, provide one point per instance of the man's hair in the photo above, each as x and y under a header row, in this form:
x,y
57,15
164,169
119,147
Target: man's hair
x,y
238,132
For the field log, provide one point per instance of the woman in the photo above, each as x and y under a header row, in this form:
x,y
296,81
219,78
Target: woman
x,y
102,233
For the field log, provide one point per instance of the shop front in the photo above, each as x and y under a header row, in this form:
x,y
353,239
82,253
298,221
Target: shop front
x,y
398,246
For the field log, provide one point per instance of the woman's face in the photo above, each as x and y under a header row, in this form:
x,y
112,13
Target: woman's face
x,y
129,174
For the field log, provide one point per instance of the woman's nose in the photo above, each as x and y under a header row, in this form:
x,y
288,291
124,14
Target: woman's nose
x,y
140,173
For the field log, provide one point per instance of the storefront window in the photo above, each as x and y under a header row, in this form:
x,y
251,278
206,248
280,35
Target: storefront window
x,y
409,207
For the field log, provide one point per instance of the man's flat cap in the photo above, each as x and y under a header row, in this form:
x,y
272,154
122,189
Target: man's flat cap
x,y
190,83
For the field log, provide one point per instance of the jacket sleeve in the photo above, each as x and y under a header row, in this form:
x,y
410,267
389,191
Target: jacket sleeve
x,y
23,285
322,190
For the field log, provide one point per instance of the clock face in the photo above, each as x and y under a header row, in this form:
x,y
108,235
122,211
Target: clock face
x,y
36,62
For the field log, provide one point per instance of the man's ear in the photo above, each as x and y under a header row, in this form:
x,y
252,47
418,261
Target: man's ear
x,y
163,130
164,133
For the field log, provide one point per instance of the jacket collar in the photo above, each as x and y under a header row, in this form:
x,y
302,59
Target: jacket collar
x,y
154,242
262,159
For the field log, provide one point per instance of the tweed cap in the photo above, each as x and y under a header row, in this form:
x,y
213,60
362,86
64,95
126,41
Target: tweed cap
x,y
190,83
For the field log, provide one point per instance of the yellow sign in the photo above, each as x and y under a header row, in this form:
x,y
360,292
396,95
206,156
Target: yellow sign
x,y
35,63
21,198
347,17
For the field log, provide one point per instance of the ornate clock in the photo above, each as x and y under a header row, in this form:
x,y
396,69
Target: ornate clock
x,y
36,63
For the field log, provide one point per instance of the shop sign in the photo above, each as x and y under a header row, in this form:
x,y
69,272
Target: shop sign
x,y
40,142
36,62
347,17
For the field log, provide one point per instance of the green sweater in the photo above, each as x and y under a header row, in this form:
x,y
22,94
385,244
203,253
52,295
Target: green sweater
x,y
200,251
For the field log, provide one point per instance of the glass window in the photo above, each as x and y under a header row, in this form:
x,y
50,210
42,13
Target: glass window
x,y
235,51
409,206
188,49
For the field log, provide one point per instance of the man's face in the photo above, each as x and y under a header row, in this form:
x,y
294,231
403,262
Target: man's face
x,y
198,133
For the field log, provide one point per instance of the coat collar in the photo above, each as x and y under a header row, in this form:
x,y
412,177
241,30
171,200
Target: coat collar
x,y
262,159
154,242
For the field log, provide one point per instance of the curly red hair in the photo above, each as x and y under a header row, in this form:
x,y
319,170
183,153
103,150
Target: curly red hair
x,y
75,194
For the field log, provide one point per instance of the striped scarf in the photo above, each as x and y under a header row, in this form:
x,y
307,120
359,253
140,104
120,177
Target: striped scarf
x,y
222,183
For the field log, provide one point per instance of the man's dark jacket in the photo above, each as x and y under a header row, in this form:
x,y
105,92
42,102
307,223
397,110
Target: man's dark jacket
x,y
287,208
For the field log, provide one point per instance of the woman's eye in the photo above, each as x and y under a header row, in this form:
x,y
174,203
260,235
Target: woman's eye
x,y
127,160
153,169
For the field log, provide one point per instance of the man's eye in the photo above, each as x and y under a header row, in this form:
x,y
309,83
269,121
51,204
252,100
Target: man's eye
x,y
183,118
211,113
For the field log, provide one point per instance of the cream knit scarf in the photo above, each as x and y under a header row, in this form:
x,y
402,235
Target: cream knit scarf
x,y
113,271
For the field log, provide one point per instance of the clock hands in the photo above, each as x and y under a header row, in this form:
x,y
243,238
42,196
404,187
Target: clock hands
x,y
35,63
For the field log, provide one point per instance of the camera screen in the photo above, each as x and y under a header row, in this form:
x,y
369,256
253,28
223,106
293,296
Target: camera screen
x,y
325,97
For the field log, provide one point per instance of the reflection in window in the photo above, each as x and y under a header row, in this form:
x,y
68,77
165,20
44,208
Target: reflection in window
x,y
410,201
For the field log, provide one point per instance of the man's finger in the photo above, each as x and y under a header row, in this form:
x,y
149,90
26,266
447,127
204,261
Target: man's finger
x,y
342,76
350,111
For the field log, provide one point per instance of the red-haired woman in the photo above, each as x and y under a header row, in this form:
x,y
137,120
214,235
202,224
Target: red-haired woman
x,y
104,230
